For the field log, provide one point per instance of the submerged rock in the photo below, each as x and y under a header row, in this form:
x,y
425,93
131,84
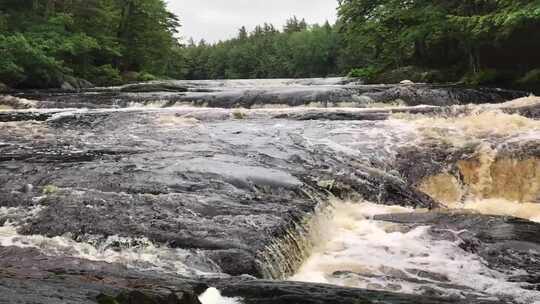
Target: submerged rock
x,y
153,87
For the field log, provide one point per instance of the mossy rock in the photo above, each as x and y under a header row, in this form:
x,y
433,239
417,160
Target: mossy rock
x,y
239,115
74,83
50,189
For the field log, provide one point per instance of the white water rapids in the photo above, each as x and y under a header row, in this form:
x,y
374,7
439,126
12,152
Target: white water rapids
x,y
134,253
354,250
351,248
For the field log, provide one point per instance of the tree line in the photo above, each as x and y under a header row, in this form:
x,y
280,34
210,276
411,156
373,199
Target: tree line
x,y
108,42
298,50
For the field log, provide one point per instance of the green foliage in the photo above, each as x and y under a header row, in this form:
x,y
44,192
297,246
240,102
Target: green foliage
x,y
297,51
490,77
146,77
46,41
474,37
25,62
108,42
105,75
366,74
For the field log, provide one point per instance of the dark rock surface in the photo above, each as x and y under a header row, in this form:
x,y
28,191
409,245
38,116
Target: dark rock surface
x,y
333,92
223,186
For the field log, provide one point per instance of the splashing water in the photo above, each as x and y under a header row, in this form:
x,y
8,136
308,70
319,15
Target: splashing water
x,y
363,253
213,296
461,129
134,253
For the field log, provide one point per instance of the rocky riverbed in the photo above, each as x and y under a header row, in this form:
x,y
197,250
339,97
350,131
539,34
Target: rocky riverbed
x,y
278,191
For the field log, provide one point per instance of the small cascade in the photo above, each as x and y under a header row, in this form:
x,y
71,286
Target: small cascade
x,y
490,184
284,255
501,176
358,251
139,253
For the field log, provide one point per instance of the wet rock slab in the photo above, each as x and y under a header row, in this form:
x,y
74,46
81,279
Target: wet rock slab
x,y
331,92
203,181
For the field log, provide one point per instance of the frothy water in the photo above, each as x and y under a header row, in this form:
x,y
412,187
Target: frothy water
x,y
361,252
475,124
213,296
134,253
489,181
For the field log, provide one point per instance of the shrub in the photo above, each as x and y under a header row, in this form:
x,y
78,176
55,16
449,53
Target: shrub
x,y
24,63
146,77
367,74
106,75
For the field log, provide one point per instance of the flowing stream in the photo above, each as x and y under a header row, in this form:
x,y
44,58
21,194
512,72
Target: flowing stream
x,y
408,201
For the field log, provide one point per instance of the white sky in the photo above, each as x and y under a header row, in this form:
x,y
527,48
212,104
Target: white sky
x,y
216,20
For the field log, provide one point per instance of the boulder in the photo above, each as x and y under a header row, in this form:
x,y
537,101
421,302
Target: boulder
x,y
406,82
73,83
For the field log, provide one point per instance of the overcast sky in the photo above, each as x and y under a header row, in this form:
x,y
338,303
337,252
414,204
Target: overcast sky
x,y
216,20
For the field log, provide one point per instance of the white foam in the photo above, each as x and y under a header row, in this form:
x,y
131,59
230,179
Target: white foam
x,y
363,253
213,296
135,253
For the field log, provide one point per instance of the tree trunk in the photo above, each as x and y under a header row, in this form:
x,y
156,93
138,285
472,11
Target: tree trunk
x,y
474,60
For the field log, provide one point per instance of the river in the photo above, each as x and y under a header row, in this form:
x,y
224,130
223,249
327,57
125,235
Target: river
x,y
271,191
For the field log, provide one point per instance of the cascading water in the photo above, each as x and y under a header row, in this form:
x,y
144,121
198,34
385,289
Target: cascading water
x,y
492,180
211,194
358,251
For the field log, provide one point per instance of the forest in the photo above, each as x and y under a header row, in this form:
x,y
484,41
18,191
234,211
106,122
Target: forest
x,y
48,43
